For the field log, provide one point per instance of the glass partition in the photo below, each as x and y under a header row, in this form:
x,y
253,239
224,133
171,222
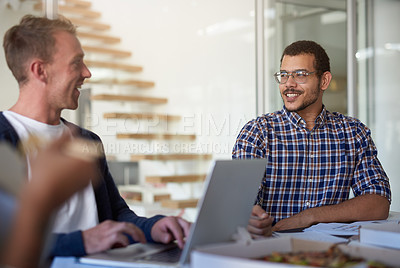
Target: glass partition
x,y
287,21
377,59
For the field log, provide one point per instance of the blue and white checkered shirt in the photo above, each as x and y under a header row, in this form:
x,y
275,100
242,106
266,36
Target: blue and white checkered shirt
x,y
311,168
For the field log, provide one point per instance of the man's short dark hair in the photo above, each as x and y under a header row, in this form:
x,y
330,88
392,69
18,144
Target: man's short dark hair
x,y
32,37
321,62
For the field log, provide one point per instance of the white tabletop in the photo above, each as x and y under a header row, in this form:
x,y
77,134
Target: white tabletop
x,y
72,262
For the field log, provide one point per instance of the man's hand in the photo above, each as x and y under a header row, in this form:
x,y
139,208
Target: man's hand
x,y
56,176
109,234
300,220
169,229
260,223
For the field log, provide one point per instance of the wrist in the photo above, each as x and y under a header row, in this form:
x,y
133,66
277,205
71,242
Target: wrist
x,y
305,218
310,216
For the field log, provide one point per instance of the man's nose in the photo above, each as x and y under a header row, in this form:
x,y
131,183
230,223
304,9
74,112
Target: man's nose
x,y
291,80
86,72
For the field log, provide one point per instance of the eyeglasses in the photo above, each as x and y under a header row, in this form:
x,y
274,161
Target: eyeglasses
x,y
300,77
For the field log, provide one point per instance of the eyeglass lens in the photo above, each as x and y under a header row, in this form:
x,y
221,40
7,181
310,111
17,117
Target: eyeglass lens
x,y
299,77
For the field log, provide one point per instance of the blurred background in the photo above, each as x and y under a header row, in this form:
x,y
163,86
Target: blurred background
x,y
173,81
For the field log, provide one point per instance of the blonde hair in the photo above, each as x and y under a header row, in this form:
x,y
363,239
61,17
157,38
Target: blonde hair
x,y
32,37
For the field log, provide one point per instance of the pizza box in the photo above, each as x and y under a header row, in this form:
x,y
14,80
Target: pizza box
x,y
381,234
247,254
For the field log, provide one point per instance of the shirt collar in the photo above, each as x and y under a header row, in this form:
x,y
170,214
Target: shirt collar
x,y
321,118
297,120
293,117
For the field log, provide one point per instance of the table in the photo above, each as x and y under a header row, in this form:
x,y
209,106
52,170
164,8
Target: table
x,y
72,262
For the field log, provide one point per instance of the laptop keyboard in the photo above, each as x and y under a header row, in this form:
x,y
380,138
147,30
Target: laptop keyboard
x,y
170,255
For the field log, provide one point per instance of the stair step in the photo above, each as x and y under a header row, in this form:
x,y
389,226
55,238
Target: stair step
x,y
155,136
113,52
137,116
166,157
103,38
90,24
176,178
143,194
79,3
133,196
76,10
179,204
136,83
110,97
111,65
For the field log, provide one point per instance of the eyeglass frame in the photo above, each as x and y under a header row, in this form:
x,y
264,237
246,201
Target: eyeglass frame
x,y
292,75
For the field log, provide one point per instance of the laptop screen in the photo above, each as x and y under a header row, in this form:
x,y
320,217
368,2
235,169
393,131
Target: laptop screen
x,y
229,193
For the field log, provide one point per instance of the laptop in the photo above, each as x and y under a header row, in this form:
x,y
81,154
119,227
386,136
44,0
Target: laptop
x,y
230,191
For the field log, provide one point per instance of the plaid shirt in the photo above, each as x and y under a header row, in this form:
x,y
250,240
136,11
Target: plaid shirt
x,y
311,168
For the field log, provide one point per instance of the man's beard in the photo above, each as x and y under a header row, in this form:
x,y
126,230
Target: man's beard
x,y
311,100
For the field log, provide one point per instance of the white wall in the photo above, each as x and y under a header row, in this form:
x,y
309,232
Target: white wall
x,y
201,56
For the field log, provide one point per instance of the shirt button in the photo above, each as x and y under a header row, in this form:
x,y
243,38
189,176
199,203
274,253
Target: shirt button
x,y
307,204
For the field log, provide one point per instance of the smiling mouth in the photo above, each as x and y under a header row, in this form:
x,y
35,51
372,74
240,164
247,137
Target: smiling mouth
x,y
79,86
292,95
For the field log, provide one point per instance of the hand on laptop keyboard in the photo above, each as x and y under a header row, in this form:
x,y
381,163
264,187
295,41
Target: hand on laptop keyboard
x,y
169,229
110,233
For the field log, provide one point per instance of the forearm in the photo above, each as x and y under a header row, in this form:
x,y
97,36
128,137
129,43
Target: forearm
x,y
360,208
28,232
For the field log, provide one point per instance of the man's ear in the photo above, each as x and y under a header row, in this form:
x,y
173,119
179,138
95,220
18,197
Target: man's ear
x,y
325,80
37,68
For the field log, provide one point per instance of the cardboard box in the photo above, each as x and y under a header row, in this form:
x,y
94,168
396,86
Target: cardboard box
x,y
242,254
382,234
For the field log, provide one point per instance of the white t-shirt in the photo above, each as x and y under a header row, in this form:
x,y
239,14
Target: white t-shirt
x,y
80,211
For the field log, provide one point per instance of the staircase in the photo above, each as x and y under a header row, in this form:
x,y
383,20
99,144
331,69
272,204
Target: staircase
x,y
116,83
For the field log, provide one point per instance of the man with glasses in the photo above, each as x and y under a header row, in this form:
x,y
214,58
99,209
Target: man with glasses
x,y
315,157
